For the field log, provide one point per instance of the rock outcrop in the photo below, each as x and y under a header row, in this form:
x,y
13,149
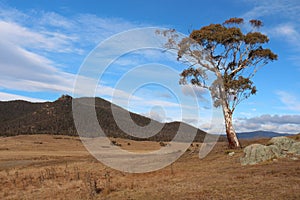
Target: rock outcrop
x,y
277,147
283,143
294,149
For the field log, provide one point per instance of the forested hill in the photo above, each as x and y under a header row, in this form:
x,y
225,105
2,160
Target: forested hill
x,y
22,117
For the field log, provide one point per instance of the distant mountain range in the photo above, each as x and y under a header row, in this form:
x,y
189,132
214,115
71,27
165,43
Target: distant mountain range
x,y
260,134
22,117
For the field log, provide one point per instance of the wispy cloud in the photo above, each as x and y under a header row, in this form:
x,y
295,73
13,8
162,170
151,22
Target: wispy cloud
x,y
290,101
42,40
289,32
7,97
192,90
31,42
287,26
21,69
288,8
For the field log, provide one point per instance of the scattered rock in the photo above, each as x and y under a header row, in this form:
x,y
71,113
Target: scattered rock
x,y
231,153
277,147
294,158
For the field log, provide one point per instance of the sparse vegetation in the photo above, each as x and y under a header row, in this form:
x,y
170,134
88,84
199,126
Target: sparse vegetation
x,y
162,144
21,117
63,169
115,143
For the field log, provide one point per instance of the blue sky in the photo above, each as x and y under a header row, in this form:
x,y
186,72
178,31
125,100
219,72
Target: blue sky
x,y
43,44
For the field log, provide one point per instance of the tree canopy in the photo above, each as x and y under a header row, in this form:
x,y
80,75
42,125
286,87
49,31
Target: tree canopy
x,y
224,49
231,50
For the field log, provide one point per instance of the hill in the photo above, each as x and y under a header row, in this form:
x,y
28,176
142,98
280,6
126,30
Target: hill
x,y
260,134
21,117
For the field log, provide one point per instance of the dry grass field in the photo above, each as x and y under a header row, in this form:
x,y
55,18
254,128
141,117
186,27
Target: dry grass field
x,y
59,167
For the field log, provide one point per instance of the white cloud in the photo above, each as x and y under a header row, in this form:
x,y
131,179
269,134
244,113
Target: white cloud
x,y
276,123
162,103
55,20
116,95
288,8
286,30
43,41
12,14
158,114
192,121
21,67
287,27
24,70
7,97
289,32
94,29
290,101
275,119
29,43
192,90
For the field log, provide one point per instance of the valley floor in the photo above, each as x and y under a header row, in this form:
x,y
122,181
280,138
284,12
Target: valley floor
x,y
59,167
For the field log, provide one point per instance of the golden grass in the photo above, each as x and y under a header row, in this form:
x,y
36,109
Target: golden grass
x,y
59,167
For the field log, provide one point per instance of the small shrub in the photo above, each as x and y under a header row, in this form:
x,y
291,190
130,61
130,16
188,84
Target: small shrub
x,y
162,144
115,143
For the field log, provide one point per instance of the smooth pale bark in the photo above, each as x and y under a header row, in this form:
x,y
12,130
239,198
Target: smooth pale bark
x,y
230,132
233,141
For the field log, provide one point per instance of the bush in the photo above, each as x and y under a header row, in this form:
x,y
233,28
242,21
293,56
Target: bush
x,y
162,144
115,143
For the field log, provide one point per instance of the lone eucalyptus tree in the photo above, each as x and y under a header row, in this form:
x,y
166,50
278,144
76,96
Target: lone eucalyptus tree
x,y
232,55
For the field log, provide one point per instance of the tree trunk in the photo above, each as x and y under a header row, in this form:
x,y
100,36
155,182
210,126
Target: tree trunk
x,y
230,132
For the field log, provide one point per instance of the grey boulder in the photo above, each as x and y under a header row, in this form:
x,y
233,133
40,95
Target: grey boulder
x,y
283,143
295,149
257,153
277,147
